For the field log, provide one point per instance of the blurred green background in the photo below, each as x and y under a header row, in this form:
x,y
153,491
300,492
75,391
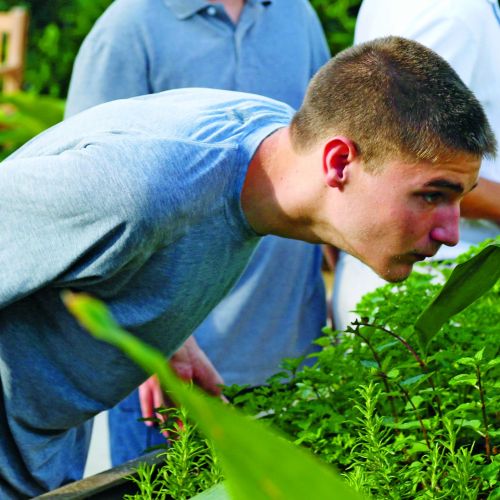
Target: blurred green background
x,y
56,31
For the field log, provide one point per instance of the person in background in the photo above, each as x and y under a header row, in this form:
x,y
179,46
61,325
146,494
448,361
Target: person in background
x,y
271,48
466,33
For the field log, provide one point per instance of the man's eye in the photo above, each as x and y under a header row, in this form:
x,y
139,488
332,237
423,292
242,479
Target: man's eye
x,y
434,197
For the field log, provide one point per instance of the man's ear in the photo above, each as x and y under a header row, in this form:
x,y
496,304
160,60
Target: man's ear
x,y
338,152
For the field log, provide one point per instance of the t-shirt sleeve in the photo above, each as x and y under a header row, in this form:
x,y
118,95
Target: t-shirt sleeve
x,y
66,219
112,62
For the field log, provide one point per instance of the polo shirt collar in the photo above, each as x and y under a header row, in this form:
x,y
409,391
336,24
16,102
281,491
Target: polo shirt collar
x,y
183,9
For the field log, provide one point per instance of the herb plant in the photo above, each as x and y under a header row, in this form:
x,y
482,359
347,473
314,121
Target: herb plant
x,y
405,402
399,423
191,465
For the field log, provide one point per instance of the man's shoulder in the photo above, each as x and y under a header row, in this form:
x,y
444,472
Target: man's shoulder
x,y
124,13
301,9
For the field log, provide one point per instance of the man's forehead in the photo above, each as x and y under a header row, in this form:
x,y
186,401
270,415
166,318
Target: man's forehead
x,y
457,173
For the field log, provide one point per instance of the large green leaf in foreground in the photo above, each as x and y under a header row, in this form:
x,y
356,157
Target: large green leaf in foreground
x,y
217,492
258,463
467,283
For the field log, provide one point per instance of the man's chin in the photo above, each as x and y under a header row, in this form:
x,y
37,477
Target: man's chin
x,y
396,273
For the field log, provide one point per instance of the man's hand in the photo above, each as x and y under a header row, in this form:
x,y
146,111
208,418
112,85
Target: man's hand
x,y
190,363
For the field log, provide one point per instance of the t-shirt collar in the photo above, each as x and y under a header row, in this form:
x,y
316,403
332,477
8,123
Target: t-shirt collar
x,y
187,8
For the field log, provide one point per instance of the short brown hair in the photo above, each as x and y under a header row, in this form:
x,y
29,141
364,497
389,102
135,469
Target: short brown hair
x,y
394,98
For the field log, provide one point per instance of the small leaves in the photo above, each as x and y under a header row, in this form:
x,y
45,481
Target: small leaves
x,y
479,355
426,414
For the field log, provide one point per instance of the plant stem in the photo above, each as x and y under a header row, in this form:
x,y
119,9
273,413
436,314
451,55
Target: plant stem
x,y
420,421
414,353
383,374
483,410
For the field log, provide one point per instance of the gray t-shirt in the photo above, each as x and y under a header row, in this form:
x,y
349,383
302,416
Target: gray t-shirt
x,y
137,202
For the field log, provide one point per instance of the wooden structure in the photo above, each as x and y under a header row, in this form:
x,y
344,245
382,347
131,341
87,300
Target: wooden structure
x,y
112,484
13,37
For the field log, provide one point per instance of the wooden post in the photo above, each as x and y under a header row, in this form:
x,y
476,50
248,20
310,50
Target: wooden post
x,y
13,32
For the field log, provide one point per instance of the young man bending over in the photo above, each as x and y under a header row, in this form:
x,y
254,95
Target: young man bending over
x,y
155,204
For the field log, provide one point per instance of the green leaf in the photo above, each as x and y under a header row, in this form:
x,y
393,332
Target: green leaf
x,y
416,400
368,363
492,363
464,407
479,355
410,424
464,379
418,448
468,361
467,283
217,492
415,379
257,462
473,424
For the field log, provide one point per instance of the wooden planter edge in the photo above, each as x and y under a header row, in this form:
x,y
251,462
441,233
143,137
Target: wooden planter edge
x,y
93,486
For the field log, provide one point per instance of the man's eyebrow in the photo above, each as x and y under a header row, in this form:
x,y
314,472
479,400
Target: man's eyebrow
x,y
457,187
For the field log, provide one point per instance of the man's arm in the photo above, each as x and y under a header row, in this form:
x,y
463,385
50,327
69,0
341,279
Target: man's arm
x,y
483,202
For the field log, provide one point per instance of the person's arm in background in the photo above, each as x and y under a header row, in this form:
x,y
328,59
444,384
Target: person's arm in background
x,y
483,202
111,63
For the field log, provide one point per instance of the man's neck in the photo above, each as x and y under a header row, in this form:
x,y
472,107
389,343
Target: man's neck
x,y
282,192
233,8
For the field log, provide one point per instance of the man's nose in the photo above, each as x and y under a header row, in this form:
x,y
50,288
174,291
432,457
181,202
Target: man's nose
x,y
446,230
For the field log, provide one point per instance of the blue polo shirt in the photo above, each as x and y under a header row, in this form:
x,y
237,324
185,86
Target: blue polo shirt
x,y
138,47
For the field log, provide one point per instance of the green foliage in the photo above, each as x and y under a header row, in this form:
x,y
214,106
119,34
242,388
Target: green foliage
x,y
22,116
257,463
57,29
191,465
399,424
338,19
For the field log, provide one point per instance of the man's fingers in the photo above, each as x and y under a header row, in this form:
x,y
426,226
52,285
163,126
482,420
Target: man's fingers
x,y
146,401
191,363
159,398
